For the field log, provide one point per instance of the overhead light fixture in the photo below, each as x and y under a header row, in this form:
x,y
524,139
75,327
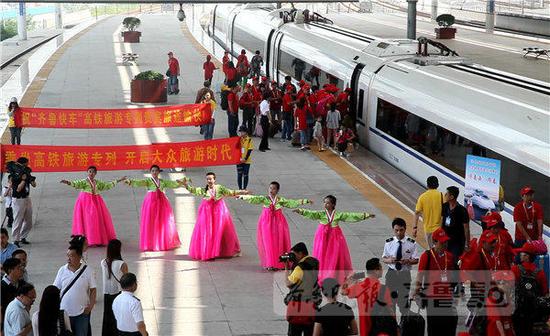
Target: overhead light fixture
x,y
181,13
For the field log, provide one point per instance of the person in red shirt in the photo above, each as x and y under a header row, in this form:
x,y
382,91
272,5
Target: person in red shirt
x,y
231,75
174,71
247,104
366,292
275,101
504,254
243,67
435,273
499,305
209,68
300,122
225,58
525,311
528,217
233,111
288,113
342,102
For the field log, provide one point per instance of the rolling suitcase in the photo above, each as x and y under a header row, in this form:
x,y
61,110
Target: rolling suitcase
x,y
412,324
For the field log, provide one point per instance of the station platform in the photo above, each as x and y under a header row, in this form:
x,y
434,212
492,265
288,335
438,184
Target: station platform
x,y
499,51
181,296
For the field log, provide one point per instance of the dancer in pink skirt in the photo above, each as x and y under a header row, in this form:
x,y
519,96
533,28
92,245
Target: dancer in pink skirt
x,y
329,245
91,218
158,230
273,236
214,235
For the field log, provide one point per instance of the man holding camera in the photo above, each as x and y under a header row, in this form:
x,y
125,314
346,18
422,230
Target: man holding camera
x,y
21,201
304,296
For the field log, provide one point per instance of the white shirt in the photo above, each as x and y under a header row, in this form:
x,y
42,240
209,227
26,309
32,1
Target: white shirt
x,y
333,119
408,250
35,323
16,318
7,199
112,285
128,312
77,298
264,107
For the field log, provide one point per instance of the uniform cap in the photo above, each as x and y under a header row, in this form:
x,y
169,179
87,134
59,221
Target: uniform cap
x,y
526,190
440,235
492,219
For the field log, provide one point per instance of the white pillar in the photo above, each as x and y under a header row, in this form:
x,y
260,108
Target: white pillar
x,y
22,22
434,10
58,17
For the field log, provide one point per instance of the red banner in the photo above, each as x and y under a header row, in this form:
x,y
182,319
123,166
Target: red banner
x,y
162,116
167,155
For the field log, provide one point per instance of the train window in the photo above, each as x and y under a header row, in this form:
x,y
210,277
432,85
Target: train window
x,y
299,69
360,104
450,150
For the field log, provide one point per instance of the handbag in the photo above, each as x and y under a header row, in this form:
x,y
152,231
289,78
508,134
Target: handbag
x,y
168,73
62,327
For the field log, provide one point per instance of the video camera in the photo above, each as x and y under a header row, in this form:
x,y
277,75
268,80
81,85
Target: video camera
x,y
290,257
17,170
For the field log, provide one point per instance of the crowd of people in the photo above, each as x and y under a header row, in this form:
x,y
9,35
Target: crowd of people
x,y
506,278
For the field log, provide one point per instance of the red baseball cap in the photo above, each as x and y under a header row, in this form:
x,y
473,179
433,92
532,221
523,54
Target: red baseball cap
x,y
492,219
302,82
488,237
440,235
527,248
526,190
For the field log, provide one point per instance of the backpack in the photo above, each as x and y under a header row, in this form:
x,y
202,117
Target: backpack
x,y
382,319
224,102
527,291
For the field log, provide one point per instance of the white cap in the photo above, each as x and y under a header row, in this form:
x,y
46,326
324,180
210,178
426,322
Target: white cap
x,y
13,100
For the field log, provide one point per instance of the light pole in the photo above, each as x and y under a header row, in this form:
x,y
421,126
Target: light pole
x,y
411,19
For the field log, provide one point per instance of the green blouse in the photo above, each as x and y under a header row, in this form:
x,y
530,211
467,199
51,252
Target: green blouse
x,y
221,191
280,203
85,186
151,186
322,217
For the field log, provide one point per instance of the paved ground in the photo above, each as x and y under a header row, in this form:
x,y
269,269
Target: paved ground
x,y
492,50
180,296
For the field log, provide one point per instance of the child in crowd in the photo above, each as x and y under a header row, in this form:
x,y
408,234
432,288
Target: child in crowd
x,y
318,134
345,137
333,123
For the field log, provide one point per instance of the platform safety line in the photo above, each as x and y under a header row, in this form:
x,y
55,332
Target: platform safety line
x,y
372,191
33,91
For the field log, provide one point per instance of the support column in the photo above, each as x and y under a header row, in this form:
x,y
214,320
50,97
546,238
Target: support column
x,y
490,17
433,15
411,19
22,22
58,17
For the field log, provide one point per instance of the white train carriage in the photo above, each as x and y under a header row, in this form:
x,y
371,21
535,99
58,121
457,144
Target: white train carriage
x,y
421,114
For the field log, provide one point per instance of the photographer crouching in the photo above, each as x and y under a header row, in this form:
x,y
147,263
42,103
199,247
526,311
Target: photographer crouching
x,y
21,182
304,296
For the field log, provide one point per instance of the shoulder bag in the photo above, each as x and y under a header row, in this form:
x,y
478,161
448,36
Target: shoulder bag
x,y
72,282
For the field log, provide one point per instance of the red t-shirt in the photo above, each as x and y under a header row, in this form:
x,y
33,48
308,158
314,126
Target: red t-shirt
x,y
173,66
343,103
209,68
230,74
276,103
498,310
233,102
246,101
437,280
504,252
287,100
528,216
540,276
366,293
301,123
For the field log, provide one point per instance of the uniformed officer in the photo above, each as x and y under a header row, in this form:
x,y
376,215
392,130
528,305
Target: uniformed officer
x,y
127,309
400,253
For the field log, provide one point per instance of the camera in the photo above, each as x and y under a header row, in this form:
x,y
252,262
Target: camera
x,y
16,170
288,257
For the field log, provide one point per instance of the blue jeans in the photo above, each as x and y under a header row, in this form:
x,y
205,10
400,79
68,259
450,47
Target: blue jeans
x,y
303,137
172,84
232,124
242,175
79,324
288,127
209,130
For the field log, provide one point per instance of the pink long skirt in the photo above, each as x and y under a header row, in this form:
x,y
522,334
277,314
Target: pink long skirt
x,y
92,219
331,249
214,234
273,237
158,227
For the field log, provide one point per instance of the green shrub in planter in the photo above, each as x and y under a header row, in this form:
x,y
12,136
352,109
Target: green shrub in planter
x,y
149,75
131,23
445,20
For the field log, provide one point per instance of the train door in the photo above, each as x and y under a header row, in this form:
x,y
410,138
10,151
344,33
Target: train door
x,y
268,56
358,99
274,56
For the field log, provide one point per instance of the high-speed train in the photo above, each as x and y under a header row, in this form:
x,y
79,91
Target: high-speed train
x,y
422,114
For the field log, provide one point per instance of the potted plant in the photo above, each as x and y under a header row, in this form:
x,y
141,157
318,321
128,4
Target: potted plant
x,y
131,35
445,31
149,87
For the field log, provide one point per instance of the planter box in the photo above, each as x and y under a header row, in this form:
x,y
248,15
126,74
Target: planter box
x,y
131,36
148,91
445,33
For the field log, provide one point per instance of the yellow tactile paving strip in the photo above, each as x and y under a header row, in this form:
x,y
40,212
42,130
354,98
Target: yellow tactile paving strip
x,y
35,88
369,190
